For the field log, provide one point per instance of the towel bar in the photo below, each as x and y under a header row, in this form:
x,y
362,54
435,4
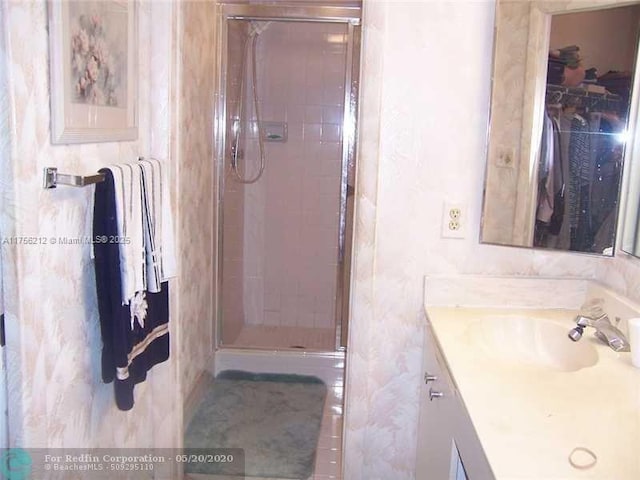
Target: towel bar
x,y
52,179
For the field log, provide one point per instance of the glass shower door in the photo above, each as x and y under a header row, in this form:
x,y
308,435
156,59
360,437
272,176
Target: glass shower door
x,y
283,182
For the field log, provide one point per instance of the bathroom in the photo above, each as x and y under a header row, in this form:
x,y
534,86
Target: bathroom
x,y
423,115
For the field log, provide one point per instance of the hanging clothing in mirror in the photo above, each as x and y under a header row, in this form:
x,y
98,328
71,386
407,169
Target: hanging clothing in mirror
x,y
551,184
579,170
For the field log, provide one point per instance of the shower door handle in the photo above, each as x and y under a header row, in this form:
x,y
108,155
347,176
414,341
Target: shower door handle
x,y
350,191
236,153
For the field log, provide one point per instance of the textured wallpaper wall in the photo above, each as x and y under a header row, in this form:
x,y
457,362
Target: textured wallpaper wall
x,y
55,391
5,150
56,395
423,130
196,187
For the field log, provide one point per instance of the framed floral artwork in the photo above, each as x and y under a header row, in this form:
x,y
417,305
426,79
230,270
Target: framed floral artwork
x,y
93,71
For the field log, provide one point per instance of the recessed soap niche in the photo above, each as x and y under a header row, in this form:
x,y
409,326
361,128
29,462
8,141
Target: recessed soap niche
x,y
274,131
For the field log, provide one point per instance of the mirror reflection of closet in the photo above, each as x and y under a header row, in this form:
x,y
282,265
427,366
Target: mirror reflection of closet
x,y
589,80
562,192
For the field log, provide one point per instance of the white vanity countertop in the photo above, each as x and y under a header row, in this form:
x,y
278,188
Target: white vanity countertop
x,y
530,417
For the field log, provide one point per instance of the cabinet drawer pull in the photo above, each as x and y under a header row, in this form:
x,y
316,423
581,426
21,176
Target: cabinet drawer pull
x,y
429,378
434,394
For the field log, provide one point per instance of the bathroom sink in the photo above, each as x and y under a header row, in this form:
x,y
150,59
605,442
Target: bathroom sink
x,y
532,341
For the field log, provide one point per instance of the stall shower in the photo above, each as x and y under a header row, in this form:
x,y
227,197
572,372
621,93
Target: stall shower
x,y
286,176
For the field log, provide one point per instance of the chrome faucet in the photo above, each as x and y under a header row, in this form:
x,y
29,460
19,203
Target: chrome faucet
x,y
605,330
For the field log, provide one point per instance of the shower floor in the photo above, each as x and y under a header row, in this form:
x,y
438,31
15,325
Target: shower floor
x,y
299,338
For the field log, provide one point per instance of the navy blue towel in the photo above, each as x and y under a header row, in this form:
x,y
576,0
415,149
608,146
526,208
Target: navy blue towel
x,y
126,352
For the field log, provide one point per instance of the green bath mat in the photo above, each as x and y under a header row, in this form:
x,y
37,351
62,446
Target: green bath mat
x,y
274,418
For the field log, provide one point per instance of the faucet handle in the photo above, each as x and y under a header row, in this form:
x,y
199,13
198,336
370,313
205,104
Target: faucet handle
x,y
619,345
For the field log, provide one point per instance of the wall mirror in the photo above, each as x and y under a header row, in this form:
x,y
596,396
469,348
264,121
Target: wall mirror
x,y
563,76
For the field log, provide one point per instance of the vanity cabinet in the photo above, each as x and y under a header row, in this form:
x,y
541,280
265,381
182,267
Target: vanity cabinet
x,y
448,447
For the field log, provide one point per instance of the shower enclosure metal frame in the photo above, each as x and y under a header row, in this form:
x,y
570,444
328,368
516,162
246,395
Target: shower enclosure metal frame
x,y
350,16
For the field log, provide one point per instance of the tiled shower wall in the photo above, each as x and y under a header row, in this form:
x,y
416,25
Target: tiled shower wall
x,y
288,220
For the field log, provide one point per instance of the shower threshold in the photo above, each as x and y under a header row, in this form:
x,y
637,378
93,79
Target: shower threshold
x,y
284,338
327,366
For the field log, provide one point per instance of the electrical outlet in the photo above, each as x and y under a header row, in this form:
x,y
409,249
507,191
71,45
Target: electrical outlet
x,y
453,220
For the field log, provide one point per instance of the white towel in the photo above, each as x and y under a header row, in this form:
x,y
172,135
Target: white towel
x,y
127,185
158,224
152,222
